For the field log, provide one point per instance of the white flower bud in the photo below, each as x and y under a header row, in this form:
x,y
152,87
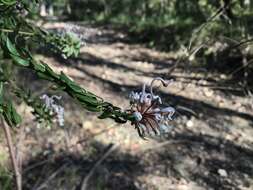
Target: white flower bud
x,y
137,116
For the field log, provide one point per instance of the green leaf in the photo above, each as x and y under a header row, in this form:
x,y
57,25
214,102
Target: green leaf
x,y
7,115
16,118
39,66
105,115
20,61
65,78
11,47
1,89
44,76
8,2
50,71
119,120
71,84
11,116
76,88
90,100
65,50
90,107
1,93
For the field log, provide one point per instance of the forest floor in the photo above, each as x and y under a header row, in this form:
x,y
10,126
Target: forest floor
x,y
209,148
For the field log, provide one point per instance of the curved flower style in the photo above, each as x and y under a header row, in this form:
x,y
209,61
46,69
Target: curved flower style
x,y
149,116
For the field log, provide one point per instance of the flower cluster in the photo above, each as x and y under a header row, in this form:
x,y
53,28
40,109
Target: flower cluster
x,y
150,117
54,108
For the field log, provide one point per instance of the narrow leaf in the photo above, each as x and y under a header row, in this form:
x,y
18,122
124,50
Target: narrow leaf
x,y
20,61
11,47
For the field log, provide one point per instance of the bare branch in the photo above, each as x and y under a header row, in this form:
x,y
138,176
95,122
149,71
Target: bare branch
x,y
110,149
12,155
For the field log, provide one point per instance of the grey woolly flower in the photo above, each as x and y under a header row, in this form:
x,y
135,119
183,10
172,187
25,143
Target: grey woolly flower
x,y
54,107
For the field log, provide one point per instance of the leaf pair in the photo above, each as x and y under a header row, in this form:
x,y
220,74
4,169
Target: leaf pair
x,y
8,110
10,115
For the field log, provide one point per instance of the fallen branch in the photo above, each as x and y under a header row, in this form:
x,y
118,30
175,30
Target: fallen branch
x,y
110,149
52,176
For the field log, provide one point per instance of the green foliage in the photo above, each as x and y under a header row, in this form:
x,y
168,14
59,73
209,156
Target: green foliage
x,y
17,35
10,114
174,20
5,179
67,44
41,113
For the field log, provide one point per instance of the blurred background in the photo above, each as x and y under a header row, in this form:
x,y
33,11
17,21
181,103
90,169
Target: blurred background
x,y
204,46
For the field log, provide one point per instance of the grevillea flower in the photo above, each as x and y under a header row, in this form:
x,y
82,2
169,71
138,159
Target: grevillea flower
x,y
52,106
150,116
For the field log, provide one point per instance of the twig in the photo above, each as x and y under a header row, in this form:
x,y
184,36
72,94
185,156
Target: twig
x,y
187,109
19,151
240,68
202,26
242,43
26,170
20,32
193,36
52,176
110,149
12,155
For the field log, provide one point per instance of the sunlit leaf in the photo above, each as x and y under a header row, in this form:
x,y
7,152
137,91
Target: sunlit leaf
x,y
20,61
